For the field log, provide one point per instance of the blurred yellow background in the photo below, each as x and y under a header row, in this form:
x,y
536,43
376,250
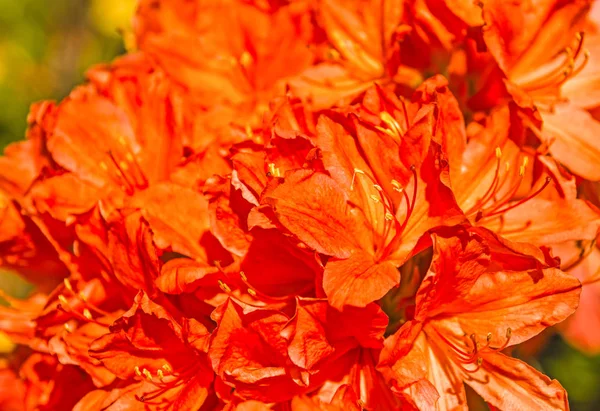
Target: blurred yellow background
x,y
46,46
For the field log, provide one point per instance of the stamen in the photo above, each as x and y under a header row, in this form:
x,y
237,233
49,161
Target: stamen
x,y
147,374
87,314
246,59
391,123
356,171
62,299
137,371
167,368
524,200
68,285
396,186
224,287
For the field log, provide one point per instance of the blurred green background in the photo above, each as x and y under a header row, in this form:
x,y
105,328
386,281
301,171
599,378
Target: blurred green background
x,y
45,48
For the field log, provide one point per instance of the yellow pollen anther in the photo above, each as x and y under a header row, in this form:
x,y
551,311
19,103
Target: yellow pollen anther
x,y
244,278
249,131
82,296
274,171
251,292
147,374
160,374
397,186
374,198
525,161
498,152
68,285
137,371
62,299
67,327
333,54
521,171
390,122
489,337
508,332
507,166
167,368
224,287
87,314
377,187
389,216
103,166
246,59
358,171
386,117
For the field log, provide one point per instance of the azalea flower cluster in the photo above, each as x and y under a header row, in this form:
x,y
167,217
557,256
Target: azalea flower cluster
x,y
310,205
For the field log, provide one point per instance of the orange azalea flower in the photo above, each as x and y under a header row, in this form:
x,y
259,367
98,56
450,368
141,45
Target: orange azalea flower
x,y
242,55
382,42
223,244
160,360
372,211
467,312
542,52
495,185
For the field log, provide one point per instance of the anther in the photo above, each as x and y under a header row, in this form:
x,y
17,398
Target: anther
x,y
224,287
68,285
137,371
389,216
498,152
87,314
251,292
160,374
67,327
374,198
377,187
390,122
62,299
246,59
244,278
147,374
396,186
489,337
249,131
167,368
